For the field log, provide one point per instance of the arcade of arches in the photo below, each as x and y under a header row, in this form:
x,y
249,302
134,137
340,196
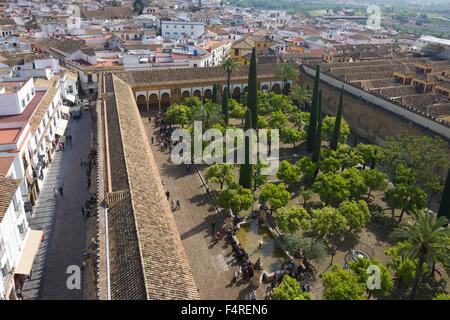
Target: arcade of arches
x,y
152,101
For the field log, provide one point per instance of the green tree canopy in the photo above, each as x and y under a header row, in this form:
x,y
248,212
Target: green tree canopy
x,y
404,268
340,284
278,120
178,114
237,110
408,198
442,296
300,94
348,156
307,167
374,179
221,174
332,188
288,173
328,129
291,135
258,178
355,182
370,153
360,268
328,222
430,243
356,213
235,198
423,154
291,220
289,289
275,195
310,249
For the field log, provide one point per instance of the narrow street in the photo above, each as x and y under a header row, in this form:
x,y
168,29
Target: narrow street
x,y
60,218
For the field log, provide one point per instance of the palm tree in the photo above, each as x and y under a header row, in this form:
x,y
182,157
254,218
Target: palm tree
x,y
300,94
286,72
229,65
430,243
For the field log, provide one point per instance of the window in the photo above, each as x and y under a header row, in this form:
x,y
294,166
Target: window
x,y
16,204
23,103
2,247
22,229
28,97
5,269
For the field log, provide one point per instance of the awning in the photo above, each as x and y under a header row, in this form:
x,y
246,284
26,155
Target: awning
x,y
70,97
61,127
29,252
65,109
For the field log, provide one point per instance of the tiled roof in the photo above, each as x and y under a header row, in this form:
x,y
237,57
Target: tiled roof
x,y
67,46
148,77
27,113
108,13
147,257
42,108
8,188
5,164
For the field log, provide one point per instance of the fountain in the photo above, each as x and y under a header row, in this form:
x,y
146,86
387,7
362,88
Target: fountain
x,y
259,242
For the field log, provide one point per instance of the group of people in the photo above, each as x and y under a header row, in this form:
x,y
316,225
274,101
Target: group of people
x,y
89,163
246,267
89,205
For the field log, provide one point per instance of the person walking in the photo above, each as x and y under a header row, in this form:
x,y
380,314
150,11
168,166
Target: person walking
x,y
83,211
167,195
81,162
178,207
213,226
152,139
61,191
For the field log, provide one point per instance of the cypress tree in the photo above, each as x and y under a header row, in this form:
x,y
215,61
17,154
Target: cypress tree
x,y
313,115
246,169
214,94
252,90
225,105
318,137
444,207
337,124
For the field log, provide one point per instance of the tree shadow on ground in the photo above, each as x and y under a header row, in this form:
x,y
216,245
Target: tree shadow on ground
x,y
174,171
381,228
201,200
204,226
348,242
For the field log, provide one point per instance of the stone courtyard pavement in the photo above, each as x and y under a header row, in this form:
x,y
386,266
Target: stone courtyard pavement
x,y
213,265
60,218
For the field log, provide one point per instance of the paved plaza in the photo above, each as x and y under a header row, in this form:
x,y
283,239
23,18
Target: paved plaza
x,y
213,265
60,218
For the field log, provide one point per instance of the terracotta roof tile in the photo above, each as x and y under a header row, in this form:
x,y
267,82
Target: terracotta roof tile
x,y
8,188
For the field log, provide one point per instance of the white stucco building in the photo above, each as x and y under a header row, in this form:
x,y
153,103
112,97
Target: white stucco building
x,y
178,29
